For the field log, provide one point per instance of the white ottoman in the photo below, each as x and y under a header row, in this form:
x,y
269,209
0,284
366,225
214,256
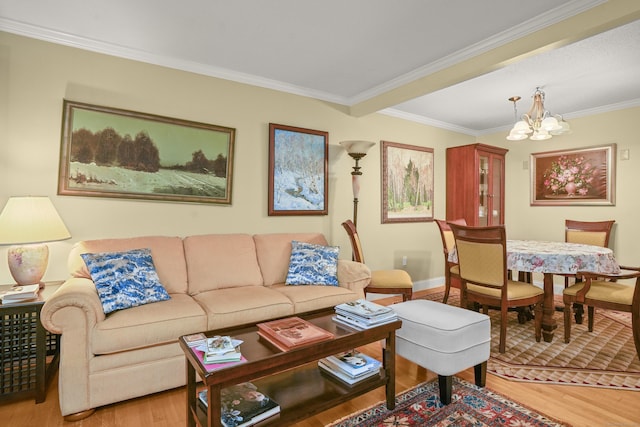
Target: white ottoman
x,y
444,339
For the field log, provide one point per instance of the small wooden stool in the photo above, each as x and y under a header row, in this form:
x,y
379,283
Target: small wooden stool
x,y
444,339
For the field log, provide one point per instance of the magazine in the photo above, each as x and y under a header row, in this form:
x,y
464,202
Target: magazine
x,y
292,332
327,368
364,308
359,325
242,405
354,363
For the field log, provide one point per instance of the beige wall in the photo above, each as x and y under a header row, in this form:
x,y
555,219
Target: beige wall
x,y
36,76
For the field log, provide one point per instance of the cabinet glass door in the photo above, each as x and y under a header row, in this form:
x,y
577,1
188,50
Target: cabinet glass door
x,y
483,207
496,194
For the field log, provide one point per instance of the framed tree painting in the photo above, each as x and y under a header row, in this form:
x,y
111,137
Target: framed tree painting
x,y
407,183
582,176
111,152
298,171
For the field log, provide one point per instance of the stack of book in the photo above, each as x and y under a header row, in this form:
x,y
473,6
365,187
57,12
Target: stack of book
x,y
242,405
350,367
363,314
221,349
215,352
292,332
20,294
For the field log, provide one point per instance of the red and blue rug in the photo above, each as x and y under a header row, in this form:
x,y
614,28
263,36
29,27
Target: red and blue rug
x,y
470,406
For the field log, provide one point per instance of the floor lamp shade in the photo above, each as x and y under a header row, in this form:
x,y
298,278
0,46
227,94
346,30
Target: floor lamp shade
x,y
27,223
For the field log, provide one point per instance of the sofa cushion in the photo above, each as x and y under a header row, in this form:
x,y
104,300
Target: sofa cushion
x,y
314,297
125,279
167,253
218,261
274,252
246,304
312,264
147,325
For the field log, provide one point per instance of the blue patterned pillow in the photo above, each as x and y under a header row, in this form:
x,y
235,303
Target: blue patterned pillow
x,y
125,279
313,264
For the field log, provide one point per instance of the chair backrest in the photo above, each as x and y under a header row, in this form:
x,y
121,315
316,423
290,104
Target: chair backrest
x,y
356,246
482,254
448,241
594,233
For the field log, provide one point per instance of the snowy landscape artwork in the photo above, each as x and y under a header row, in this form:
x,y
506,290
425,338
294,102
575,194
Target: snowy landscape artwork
x,y
108,152
407,183
298,175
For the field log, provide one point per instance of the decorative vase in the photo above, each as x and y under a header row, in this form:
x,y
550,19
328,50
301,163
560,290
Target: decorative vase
x,y
570,188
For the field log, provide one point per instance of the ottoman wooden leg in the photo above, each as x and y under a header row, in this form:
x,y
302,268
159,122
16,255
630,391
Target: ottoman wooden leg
x,y
445,383
480,374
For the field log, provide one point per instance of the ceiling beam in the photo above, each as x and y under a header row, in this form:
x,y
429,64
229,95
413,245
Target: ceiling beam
x,y
599,19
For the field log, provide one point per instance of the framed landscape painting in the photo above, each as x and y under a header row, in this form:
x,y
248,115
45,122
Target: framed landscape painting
x,y
407,183
582,176
110,152
298,171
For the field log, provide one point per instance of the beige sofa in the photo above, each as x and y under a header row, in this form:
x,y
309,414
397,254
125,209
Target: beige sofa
x,y
214,281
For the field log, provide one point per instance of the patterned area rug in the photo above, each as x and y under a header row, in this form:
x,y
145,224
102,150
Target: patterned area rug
x,y
470,406
604,358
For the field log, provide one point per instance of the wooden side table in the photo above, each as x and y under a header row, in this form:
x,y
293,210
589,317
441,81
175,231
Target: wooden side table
x,y
24,348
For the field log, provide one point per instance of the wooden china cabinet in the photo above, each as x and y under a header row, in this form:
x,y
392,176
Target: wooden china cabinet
x,y
475,184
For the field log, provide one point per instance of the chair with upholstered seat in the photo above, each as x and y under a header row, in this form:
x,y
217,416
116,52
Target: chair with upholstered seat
x,y
596,233
451,269
482,257
605,291
382,281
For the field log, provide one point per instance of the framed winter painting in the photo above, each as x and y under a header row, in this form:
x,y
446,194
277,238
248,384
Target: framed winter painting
x,y
298,171
110,152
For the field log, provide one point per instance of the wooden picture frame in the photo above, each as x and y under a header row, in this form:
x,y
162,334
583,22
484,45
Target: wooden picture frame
x,y
111,152
407,183
298,171
582,176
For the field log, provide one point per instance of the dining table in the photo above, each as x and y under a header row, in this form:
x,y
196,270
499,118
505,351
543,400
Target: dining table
x,y
551,258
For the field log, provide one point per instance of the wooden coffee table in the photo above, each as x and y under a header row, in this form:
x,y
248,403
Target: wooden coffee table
x,y
291,378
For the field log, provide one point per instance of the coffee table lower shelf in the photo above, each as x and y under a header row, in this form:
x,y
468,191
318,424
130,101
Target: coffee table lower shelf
x,y
303,392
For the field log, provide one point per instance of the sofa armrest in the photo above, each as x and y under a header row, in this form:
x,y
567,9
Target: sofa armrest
x,y
76,299
73,311
354,276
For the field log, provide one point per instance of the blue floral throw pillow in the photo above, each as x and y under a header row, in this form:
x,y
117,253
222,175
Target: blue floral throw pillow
x,y
312,264
125,279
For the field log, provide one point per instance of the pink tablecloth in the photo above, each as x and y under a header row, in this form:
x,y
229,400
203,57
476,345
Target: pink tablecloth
x,y
556,257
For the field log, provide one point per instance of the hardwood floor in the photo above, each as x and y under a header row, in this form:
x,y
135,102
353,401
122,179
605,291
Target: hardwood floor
x,y
579,406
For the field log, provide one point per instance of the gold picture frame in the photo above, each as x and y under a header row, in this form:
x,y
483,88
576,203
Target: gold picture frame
x,y
111,152
577,177
407,183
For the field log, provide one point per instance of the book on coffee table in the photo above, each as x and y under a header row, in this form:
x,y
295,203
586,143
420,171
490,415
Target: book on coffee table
x,y
292,332
242,405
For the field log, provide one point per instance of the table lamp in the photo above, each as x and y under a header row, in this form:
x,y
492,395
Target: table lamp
x,y
27,223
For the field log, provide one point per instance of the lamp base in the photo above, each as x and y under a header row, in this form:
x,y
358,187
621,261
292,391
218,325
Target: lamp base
x,y
27,263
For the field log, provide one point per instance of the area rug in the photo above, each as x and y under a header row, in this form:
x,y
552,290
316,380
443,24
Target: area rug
x,y
604,358
470,406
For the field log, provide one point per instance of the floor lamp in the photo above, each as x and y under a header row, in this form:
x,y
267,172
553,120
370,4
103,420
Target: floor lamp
x,y
357,150
27,223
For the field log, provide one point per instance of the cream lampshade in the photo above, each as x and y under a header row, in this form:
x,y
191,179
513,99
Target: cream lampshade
x,y
27,223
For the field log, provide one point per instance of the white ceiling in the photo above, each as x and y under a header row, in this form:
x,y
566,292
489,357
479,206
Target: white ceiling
x,y
448,63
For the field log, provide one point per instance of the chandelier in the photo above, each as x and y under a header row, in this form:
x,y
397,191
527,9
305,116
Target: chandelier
x,y
539,123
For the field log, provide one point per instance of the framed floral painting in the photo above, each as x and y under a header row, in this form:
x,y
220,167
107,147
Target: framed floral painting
x,y
582,176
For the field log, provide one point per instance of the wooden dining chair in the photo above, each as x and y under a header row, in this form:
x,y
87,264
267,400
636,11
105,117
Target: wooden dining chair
x,y
482,257
382,281
596,233
605,291
451,269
